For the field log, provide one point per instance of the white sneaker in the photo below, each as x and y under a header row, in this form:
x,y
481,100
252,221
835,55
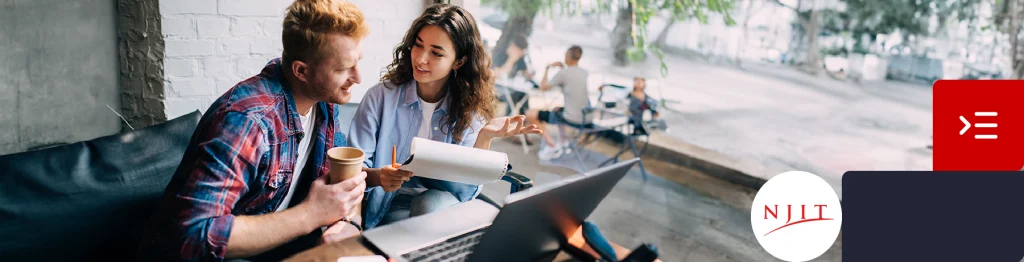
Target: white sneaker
x,y
566,148
548,153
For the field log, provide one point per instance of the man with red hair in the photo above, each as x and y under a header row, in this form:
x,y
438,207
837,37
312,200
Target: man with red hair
x,y
252,183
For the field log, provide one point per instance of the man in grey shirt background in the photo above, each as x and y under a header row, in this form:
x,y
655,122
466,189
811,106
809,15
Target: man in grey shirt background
x,y
573,81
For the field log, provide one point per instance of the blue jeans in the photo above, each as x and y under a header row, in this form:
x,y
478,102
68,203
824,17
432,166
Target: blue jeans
x,y
405,206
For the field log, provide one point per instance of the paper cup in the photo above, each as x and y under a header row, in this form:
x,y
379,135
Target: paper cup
x,y
345,163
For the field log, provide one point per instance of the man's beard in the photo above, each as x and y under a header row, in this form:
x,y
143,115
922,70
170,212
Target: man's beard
x,y
318,90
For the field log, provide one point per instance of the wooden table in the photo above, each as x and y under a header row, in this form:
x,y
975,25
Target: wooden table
x,y
356,246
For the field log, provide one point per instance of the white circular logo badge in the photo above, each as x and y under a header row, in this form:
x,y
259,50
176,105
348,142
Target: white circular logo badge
x,y
796,216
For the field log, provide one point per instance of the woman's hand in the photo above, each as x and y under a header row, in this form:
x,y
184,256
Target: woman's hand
x,y
391,178
501,127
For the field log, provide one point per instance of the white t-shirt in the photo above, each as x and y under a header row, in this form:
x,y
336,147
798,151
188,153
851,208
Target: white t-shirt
x,y
425,127
428,115
304,148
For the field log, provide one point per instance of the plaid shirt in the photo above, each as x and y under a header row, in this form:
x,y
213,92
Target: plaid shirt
x,y
239,161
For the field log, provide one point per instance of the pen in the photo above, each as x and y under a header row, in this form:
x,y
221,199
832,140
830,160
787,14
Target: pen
x,y
394,155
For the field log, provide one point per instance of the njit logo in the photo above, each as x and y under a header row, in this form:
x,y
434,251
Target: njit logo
x,y
774,212
796,216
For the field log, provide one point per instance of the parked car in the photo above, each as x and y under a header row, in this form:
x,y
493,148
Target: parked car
x,y
975,72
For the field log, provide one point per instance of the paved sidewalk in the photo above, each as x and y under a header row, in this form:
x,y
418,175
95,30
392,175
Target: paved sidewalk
x,y
763,119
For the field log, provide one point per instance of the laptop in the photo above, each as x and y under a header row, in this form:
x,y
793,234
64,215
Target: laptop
x,y
532,226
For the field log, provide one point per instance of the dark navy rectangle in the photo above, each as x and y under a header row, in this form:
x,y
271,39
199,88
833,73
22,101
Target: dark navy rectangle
x,y
933,216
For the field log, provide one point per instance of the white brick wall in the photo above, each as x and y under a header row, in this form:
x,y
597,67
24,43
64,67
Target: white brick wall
x,y
210,45
174,7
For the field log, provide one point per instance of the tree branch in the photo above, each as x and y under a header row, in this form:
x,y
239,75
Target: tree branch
x,y
751,10
779,2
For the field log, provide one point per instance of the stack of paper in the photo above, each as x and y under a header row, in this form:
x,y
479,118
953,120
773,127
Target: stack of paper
x,y
455,163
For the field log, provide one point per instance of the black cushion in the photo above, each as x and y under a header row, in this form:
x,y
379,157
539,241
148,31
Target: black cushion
x,y
88,200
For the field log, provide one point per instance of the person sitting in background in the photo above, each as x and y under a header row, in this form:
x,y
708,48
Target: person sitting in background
x,y
513,61
639,101
573,81
510,64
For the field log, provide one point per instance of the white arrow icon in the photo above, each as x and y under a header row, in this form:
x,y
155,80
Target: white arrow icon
x,y
967,125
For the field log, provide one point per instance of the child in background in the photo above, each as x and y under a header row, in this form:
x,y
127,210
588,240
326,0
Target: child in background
x,y
638,102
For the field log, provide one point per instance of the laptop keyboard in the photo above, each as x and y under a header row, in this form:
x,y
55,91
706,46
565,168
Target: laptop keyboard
x,y
454,249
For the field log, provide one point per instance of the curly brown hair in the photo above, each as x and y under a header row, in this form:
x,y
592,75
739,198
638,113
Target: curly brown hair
x,y
471,86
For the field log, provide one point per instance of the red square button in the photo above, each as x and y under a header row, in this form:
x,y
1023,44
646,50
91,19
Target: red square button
x,y
978,125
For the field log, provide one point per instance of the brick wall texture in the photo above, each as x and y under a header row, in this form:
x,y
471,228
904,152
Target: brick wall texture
x,y
210,45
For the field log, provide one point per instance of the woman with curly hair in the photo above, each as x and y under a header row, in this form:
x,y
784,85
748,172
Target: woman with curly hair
x,y
439,87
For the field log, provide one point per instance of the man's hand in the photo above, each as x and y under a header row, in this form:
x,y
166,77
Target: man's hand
x,y
556,64
339,231
514,53
329,203
391,178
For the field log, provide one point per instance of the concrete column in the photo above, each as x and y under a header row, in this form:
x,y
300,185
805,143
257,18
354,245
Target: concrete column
x,y
58,72
141,55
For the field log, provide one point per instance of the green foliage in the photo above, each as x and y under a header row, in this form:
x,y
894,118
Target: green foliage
x,y
529,8
1003,15
860,49
833,51
911,17
875,17
520,8
643,11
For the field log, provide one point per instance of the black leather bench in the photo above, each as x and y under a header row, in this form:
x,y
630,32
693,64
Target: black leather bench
x,y
87,200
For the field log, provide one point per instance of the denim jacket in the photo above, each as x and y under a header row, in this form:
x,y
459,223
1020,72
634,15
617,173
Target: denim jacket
x,y
391,115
